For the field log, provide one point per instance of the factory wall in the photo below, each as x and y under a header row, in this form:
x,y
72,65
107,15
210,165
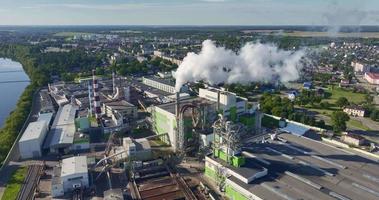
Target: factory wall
x,y
32,147
165,122
70,181
234,194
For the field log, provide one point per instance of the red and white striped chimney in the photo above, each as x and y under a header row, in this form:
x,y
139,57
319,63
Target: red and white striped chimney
x,y
96,97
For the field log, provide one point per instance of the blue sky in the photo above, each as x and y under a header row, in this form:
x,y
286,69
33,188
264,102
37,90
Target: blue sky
x,y
189,12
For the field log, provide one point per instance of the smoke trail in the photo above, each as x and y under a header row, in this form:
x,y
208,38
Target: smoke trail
x,y
340,14
254,62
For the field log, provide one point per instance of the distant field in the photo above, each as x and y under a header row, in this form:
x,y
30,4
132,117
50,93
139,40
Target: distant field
x,y
318,34
69,34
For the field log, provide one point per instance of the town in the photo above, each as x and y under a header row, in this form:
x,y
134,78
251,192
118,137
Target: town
x,y
108,119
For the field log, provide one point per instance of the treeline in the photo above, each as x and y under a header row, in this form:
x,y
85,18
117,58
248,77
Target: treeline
x,y
285,108
134,67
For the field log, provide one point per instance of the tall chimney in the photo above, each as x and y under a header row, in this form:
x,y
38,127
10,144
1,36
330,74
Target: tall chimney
x,y
218,100
113,83
96,97
177,105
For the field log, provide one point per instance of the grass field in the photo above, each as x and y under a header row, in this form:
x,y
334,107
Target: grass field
x,y
351,96
357,124
14,184
333,94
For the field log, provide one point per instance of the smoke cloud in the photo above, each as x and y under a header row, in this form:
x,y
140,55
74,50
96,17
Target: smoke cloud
x,y
254,62
340,14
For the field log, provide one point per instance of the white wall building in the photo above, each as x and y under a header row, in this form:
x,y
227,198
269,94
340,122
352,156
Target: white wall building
x,y
359,67
63,129
74,173
229,102
32,139
162,84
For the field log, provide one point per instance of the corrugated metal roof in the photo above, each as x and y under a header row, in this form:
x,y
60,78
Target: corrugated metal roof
x,y
295,129
34,131
74,165
63,129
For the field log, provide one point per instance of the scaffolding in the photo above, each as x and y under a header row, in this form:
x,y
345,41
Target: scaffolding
x,y
226,137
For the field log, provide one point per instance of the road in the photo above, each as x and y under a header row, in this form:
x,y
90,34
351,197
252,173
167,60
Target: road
x,y
14,155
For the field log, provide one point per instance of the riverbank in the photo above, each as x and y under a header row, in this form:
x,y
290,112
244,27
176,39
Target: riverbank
x,y
15,121
13,81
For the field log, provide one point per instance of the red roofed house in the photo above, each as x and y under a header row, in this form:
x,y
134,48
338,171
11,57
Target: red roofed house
x,y
372,78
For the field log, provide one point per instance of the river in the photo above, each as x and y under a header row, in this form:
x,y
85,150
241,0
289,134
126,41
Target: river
x,y
13,81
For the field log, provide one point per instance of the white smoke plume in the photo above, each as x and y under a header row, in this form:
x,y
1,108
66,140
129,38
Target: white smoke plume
x,y
255,62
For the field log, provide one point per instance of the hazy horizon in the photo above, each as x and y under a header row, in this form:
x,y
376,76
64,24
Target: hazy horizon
x,y
189,12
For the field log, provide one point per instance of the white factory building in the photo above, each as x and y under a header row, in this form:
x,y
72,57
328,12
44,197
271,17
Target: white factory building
x,y
61,136
230,103
72,174
30,143
162,84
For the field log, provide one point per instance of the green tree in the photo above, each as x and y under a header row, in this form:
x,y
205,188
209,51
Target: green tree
x,y
369,99
342,102
375,115
339,120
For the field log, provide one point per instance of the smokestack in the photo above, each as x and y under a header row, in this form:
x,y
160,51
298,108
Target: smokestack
x,y
96,101
218,100
114,83
177,105
90,97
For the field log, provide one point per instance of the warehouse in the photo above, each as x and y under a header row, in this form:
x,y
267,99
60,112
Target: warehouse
x,y
297,168
62,132
32,139
72,174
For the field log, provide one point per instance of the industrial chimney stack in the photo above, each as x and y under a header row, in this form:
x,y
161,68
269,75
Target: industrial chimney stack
x,y
113,83
96,97
218,100
177,105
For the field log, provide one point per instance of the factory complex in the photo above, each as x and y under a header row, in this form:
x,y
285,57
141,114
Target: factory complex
x,y
138,138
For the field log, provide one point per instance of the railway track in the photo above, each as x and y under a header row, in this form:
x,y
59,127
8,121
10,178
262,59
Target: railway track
x,y
30,183
182,185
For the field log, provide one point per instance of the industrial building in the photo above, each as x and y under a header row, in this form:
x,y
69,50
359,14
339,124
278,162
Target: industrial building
x,y
72,174
293,167
167,85
164,118
47,117
229,103
31,141
137,148
120,111
46,102
353,139
61,136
